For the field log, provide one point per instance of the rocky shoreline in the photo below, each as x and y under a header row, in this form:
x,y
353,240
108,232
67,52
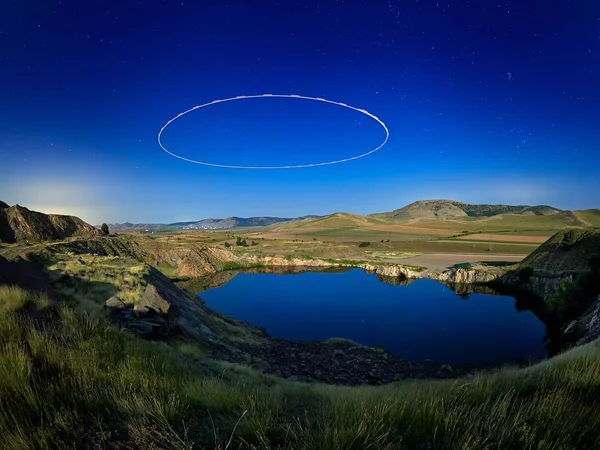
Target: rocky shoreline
x,y
343,363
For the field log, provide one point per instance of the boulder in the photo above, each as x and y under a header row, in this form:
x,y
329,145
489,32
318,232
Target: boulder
x,y
153,301
115,303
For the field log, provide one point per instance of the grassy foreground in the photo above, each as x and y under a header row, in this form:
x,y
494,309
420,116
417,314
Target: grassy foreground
x,y
68,379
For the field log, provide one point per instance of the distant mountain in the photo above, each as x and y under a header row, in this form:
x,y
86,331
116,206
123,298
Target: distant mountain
x,y
449,209
207,224
18,223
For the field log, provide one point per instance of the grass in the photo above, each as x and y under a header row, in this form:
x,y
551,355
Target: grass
x,y
346,262
88,281
81,383
231,265
85,384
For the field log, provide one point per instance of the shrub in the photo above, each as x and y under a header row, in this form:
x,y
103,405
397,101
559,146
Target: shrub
x,y
230,265
364,244
227,244
104,228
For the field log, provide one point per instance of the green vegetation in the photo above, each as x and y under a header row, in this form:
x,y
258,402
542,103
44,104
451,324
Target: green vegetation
x,y
104,228
231,265
364,244
241,242
346,262
567,251
82,383
89,281
572,298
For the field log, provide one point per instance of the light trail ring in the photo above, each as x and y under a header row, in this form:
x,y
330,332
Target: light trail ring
x,y
243,97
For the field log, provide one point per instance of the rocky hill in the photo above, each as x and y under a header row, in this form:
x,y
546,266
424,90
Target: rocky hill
x,y
452,210
18,223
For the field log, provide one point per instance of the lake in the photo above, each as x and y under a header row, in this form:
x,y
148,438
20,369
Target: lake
x,y
422,320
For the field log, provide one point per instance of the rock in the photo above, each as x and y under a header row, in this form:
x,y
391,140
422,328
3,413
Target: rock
x,y
115,303
153,301
446,367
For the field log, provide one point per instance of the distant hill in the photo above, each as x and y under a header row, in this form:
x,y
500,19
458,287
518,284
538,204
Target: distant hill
x,y
207,224
590,217
237,222
18,223
567,251
453,210
336,220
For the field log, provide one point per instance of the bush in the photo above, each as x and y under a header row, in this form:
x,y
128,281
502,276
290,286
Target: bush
x,y
230,265
104,228
227,244
364,244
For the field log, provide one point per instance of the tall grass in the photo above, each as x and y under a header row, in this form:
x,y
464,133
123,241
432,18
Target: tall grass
x,y
77,382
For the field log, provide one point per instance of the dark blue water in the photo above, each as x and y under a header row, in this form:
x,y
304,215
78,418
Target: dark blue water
x,y
425,320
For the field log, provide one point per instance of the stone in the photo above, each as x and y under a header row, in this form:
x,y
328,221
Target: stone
x,y
153,301
446,367
115,303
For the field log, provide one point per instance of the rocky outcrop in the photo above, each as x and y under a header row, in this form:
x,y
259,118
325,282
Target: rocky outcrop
x,y
391,271
464,276
18,223
540,286
586,328
163,310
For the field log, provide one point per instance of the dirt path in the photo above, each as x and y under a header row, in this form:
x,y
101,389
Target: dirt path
x,y
441,261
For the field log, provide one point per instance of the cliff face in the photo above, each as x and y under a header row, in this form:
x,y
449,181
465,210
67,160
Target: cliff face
x,y
20,224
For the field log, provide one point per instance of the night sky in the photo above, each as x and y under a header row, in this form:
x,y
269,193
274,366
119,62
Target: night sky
x,y
486,102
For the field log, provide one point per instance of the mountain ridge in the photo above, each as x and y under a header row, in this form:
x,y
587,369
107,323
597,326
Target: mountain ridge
x,y
440,209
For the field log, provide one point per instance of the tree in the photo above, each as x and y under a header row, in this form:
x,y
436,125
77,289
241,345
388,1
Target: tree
x,y
104,228
227,245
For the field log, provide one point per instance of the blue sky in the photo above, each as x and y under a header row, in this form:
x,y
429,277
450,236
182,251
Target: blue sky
x,y
486,102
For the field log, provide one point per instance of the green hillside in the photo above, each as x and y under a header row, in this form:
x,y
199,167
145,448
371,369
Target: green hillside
x,y
591,217
568,251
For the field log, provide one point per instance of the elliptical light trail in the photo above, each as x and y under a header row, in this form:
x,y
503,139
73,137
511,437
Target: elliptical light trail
x,y
299,166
